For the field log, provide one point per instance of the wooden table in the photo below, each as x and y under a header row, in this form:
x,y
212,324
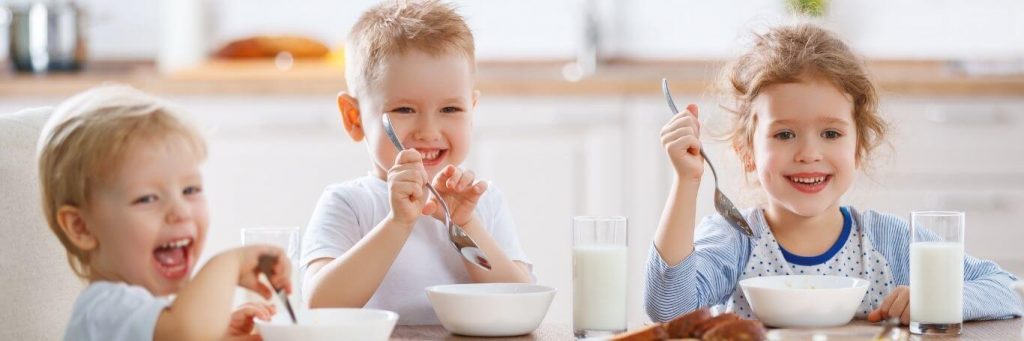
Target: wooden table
x,y
1003,330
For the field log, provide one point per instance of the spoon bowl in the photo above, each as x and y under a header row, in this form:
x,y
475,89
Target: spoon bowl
x,y
463,243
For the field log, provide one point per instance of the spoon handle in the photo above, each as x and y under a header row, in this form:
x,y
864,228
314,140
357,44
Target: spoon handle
x,y
266,265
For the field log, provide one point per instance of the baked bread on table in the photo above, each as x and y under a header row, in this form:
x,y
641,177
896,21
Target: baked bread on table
x,y
271,46
699,324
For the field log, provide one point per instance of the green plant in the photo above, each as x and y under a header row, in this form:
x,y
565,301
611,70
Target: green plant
x,y
814,8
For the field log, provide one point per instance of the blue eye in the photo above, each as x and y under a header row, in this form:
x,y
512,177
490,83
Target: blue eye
x,y
146,199
784,135
451,110
403,110
831,134
192,190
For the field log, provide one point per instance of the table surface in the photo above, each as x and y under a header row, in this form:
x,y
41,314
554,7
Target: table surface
x,y
1012,329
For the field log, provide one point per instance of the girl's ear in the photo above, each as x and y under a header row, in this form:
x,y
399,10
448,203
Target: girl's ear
x,y
348,107
74,227
745,158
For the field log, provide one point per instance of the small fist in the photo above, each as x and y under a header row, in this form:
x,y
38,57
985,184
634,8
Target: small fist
x,y
681,139
897,304
243,319
405,184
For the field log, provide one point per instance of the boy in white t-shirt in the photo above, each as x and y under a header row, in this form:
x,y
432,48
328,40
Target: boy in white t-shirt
x,y
378,241
122,190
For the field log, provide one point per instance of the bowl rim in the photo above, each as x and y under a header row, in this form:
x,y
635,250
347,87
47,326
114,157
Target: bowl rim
x,y
858,283
389,316
436,289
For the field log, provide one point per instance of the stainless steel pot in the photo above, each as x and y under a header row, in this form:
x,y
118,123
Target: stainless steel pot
x,y
46,36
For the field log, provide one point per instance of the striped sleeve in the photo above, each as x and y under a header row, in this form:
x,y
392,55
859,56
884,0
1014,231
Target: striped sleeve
x,y
708,276
988,289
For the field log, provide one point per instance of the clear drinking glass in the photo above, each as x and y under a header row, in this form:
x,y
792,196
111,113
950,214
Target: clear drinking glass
x,y
936,272
286,238
598,275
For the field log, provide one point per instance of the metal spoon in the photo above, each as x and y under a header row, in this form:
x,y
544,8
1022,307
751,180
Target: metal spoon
x,y
723,205
266,266
887,326
462,242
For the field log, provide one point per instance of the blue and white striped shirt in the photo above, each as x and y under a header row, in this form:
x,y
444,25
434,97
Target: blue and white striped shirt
x,y
873,246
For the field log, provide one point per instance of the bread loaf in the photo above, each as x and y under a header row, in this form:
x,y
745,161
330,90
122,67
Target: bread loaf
x,y
739,330
651,332
271,46
684,326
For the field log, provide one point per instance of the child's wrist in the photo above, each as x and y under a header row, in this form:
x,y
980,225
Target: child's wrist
x,y
470,223
687,183
395,221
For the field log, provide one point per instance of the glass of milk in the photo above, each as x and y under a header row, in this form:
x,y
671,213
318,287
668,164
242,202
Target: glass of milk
x,y
286,238
936,272
598,275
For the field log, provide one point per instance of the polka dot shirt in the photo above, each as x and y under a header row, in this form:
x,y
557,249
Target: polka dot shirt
x,y
852,255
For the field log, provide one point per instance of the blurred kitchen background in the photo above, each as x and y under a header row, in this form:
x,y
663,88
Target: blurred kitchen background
x,y
570,110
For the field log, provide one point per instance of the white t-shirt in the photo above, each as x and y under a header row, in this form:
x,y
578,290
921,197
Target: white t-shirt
x,y
348,211
115,311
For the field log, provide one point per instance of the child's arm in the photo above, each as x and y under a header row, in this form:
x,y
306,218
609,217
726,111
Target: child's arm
x,y
681,138
988,291
988,295
462,191
987,288
351,280
202,309
707,276
503,269
680,278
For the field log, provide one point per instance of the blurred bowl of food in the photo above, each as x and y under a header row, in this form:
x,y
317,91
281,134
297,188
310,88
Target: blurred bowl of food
x,y
804,301
491,309
332,324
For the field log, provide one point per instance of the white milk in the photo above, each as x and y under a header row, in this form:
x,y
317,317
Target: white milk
x,y
599,287
936,282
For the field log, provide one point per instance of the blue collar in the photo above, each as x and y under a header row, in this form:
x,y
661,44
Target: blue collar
x,y
824,257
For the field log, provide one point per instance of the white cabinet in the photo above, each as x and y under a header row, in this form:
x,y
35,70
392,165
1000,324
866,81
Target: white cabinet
x,y
963,154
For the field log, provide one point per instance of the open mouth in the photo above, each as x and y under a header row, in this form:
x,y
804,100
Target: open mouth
x,y
172,258
432,156
809,184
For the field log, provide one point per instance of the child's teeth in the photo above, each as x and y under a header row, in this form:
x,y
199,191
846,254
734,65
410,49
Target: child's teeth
x,y
809,180
175,244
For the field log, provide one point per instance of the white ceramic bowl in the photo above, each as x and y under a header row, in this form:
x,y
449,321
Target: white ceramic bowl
x,y
804,301
332,324
491,309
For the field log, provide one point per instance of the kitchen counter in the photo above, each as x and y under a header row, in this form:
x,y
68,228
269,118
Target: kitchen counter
x,y
977,330
494,78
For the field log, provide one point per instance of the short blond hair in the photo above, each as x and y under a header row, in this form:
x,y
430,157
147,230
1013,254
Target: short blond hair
x,y
784,55
395,27
87,138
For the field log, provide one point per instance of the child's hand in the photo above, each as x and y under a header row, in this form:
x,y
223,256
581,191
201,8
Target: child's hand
x,y
460,190
405,183
242,322
897,304
681,138
249,271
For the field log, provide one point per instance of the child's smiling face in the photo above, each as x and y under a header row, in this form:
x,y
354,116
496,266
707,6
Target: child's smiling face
x,y
430,101
149,217
804,145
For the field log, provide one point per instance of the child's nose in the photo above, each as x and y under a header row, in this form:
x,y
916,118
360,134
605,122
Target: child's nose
x,y
808,152
428,128
179,211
